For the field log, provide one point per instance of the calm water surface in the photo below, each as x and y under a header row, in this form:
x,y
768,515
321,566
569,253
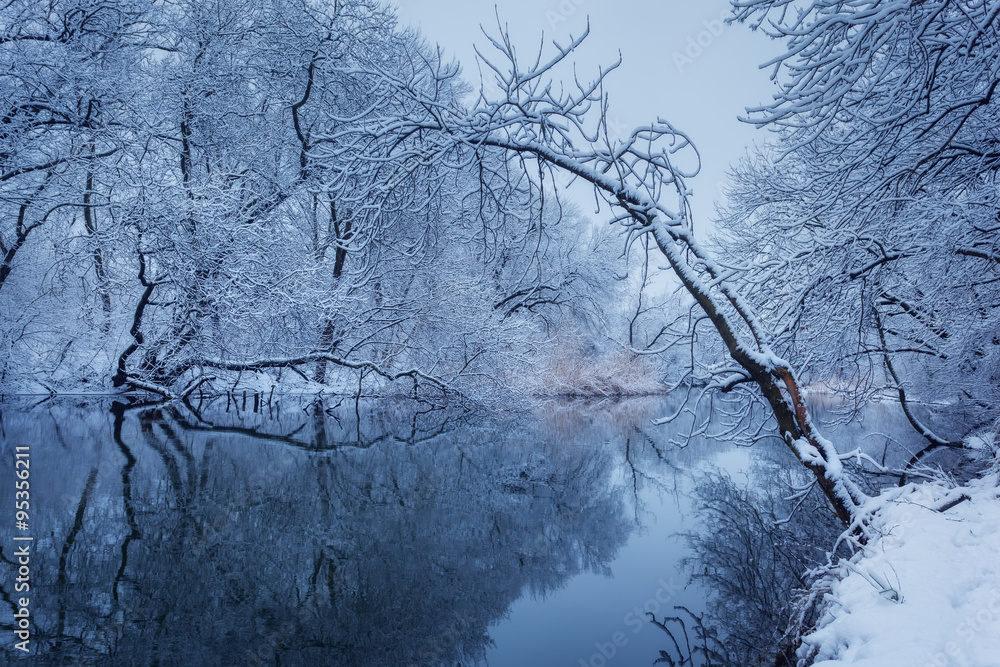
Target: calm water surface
x,y
389,533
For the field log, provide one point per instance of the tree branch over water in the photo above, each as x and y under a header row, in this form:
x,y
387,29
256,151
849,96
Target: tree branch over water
x,y
641,178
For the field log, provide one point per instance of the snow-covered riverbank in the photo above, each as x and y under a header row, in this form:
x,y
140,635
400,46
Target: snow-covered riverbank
x,y
924,591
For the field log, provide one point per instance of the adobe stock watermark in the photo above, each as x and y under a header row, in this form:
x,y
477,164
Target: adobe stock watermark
x,y
634,621
563,11
975,624
23,541
697,44
985,619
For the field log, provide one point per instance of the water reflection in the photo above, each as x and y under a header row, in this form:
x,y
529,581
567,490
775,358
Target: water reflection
x,y
761,531
751,552
395,533
309,535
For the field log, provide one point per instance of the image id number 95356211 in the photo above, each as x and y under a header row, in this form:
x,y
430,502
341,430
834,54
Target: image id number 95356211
x,y
22,547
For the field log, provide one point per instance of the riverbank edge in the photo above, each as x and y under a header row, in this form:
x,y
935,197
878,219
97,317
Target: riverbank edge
x,y
923,591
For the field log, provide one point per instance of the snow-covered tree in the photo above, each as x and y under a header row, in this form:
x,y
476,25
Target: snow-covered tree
x,y
870,226
174,207
642,178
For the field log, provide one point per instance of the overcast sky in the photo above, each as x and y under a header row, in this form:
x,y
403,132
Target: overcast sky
x,y
680,62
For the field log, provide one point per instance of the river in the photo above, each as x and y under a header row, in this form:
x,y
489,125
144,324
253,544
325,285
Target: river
x,y
385,532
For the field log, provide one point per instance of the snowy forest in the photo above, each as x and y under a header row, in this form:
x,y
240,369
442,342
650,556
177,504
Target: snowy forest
x,y
303,197
182,199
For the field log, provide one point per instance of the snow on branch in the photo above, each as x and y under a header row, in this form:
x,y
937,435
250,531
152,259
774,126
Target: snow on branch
x,y
287,362
564,128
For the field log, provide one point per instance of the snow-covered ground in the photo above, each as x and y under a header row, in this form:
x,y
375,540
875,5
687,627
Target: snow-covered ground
x,y
925,590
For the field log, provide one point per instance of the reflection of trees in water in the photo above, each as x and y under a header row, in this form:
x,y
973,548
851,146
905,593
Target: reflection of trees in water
x,y
756,540
754,543
393,540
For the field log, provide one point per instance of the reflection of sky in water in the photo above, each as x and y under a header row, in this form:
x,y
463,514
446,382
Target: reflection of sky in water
x,y
566,626
232,538
578,621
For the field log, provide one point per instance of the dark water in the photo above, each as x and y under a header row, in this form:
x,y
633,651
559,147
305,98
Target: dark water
x,y
312,534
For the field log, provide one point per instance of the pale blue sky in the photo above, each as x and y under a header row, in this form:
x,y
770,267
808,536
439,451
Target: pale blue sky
x,y
679,62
